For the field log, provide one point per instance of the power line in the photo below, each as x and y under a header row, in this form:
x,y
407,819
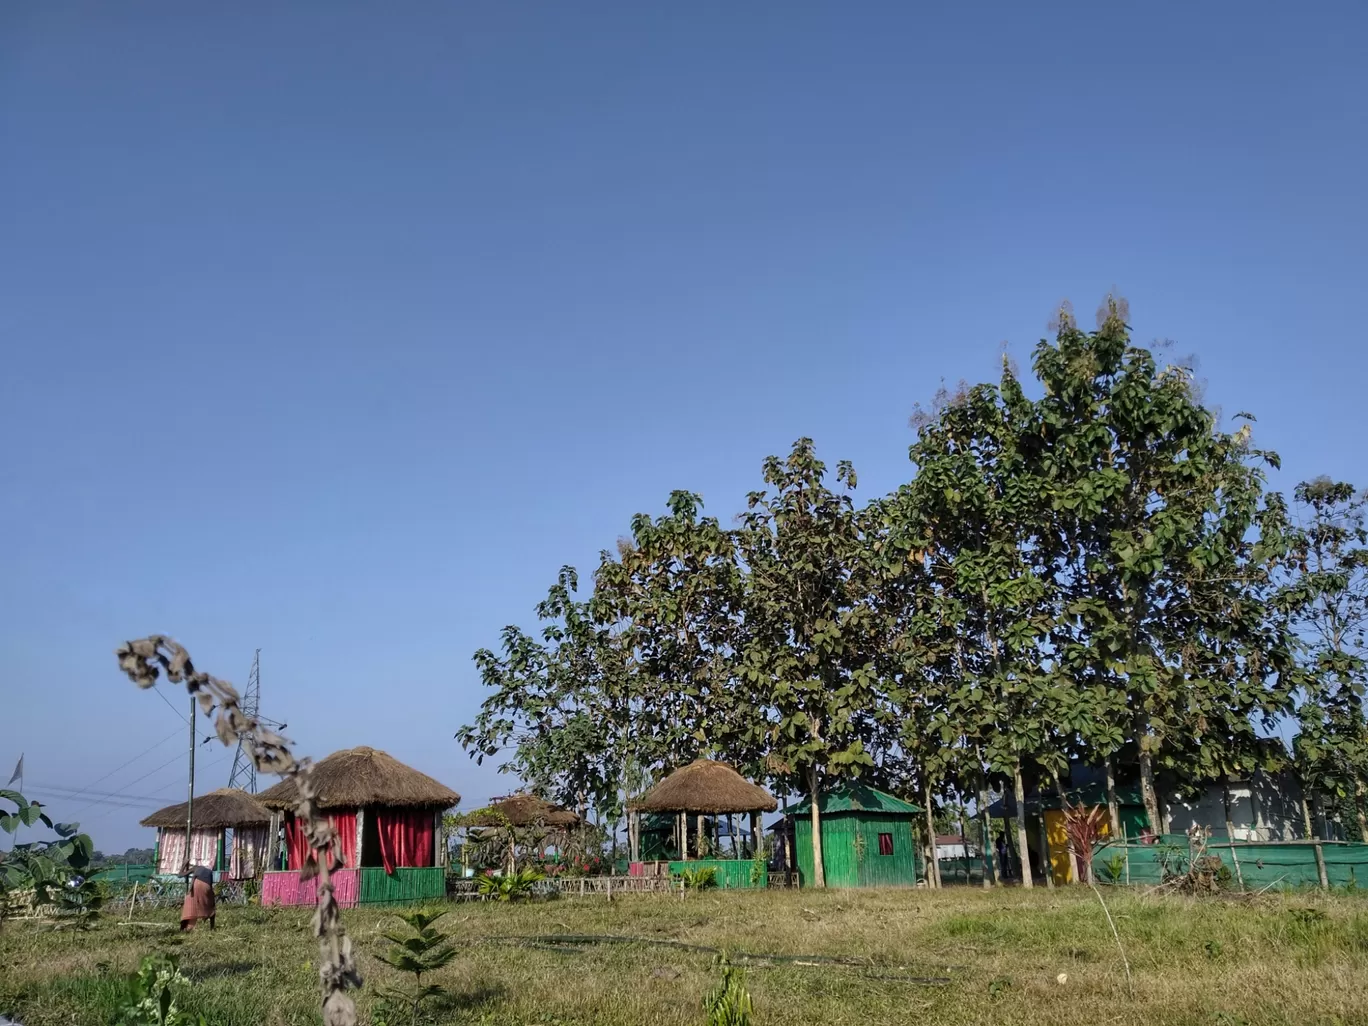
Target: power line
x,y
121,765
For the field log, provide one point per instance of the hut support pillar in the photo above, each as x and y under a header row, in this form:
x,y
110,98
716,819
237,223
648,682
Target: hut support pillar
x,y
757,838
272,842
360,833
702,837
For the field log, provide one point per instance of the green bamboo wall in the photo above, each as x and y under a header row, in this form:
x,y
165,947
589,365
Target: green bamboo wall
x,y
404,885
845,864
731,873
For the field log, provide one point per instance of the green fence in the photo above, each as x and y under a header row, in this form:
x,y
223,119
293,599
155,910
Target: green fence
x,y
402,886
731,873
1284,864
117,876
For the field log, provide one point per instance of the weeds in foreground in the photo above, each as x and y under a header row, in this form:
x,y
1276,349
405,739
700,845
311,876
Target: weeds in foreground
x,y
510,886
698,879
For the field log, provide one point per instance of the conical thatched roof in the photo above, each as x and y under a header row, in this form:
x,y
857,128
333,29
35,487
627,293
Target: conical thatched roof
x,y
226,807
521,810
706,786
355,777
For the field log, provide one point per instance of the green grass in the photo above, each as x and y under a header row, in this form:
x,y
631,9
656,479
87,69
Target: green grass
x,y
1299,959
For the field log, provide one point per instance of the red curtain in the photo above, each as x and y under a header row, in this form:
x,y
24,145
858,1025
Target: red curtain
x,y
406,837
297,843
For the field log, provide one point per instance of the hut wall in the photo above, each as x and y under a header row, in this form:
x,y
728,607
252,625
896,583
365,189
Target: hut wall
x,y
286,888
844,834
403,885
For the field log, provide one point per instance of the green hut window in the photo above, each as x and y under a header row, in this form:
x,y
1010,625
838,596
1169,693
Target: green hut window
x,y
885,844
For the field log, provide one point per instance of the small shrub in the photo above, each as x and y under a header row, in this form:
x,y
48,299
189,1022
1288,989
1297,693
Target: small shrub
x,y
510,886
1113,871
698,879
729,1004
422,948
1213,949
152,995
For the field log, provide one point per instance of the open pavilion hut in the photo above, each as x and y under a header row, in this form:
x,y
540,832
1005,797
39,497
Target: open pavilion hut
x,y
519,819
229,835
388,818
708,791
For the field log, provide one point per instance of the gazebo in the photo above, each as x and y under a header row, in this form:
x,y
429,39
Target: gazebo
x,y
228,835
526,817
706,789
388,818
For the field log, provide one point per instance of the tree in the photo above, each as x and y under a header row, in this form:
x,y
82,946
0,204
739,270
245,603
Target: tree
x,y
1326,596
806,654
975,508
558,703
1165,543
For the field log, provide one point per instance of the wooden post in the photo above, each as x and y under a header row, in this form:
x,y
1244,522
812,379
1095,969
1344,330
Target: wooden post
x,y
702,838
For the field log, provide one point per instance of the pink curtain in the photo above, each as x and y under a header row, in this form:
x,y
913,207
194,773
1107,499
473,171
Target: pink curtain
x,y
406,837
297,844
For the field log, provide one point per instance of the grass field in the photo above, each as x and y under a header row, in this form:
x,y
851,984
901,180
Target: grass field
x,y
1276,959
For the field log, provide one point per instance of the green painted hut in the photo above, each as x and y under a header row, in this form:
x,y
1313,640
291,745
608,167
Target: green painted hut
x,y
869,838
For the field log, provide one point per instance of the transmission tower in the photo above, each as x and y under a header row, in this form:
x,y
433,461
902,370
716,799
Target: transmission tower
x,y
244,769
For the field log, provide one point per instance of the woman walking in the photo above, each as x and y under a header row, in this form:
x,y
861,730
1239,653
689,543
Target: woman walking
x,y
199,899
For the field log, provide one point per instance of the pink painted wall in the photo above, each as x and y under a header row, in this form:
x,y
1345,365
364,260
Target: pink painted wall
x,y
285,888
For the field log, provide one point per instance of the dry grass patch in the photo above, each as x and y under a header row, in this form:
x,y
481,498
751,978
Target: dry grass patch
x,y
1296,959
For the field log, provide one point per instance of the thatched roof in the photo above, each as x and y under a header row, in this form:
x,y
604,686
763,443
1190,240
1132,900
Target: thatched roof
x,y
706,786
355,777
521,810
226,807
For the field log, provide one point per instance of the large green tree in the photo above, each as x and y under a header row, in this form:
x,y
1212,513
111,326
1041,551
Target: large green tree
x,y
1165,541
1326,594
806,655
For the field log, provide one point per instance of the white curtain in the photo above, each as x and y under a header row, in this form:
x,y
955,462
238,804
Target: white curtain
x,y
171,852
249,852
203,850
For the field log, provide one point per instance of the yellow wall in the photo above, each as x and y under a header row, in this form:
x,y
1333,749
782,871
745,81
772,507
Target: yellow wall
x,y
1061,866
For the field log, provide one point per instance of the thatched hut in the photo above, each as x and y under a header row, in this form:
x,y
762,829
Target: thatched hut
x,y
388,818
706,789
229,834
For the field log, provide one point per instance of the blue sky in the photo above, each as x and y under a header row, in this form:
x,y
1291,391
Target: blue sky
x,y
335,329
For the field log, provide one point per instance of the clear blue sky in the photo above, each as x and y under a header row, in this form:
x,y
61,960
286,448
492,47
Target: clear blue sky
x,y
335,329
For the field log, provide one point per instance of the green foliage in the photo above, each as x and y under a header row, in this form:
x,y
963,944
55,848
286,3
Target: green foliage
x,y
697,879
1113,870
760,861
152,995
49,868
418,948
515,886
729,1003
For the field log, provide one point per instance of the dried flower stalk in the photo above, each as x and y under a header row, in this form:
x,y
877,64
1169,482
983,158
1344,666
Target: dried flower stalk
x,y
144,661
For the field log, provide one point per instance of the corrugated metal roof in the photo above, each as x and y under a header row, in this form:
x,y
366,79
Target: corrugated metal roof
x,y
856,797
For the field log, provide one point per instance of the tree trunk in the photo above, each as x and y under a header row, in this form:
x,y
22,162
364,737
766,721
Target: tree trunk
x,y
1360,801
818,870
990,869
932,863
1321,830
1147,791
1046,863
1019,790
1113,807
964,843
1230,829
789,832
